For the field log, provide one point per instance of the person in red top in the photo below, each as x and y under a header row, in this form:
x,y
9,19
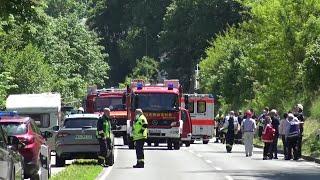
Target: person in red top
x,y
268,134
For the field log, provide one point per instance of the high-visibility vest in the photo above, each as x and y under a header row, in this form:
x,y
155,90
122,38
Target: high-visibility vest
x,y
138,131
106,128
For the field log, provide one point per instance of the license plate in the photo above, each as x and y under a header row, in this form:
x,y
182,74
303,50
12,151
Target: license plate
x,y
83,137
154,131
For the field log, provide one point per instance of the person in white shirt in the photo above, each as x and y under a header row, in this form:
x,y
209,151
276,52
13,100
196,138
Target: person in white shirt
x,y
248,128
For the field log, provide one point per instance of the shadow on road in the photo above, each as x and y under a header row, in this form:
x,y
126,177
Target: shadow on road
x,y
305,174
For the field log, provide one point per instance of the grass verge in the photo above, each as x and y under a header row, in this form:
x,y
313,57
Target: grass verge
x,y
80,170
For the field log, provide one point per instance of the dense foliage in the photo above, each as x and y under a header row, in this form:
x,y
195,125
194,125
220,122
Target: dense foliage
x,y
45,49
271,59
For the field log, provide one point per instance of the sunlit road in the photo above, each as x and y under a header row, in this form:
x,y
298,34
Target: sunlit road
x,y
207,162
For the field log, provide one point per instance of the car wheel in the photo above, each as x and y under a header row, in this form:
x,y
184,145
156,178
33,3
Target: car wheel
x,y
205,141
176,145
60,162
187,144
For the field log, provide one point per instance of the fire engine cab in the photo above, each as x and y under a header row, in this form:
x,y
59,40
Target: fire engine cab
x,y
201,108
115,100
161,104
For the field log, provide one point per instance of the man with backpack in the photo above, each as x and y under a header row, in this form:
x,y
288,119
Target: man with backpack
x,y
232,127
292,137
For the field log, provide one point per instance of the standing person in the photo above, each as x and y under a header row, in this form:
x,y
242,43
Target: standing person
x,y
240,118
275,124
299,115
282,133
248,127
140,134
218,119
292,136
104,135
267,137
231,125
261,119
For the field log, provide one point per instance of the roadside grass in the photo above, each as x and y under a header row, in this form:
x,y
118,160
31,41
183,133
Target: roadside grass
x,y
80,170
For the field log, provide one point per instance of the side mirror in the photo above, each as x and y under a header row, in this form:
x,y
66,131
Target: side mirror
x,y
13,140
14,143
55,128
46,134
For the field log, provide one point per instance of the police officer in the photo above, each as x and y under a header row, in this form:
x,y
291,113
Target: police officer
x,y
140,134
104,135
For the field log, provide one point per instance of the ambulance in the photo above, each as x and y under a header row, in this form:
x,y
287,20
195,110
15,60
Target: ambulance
x,y
201,108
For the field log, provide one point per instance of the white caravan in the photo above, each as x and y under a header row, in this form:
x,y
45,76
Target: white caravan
x,y
43,108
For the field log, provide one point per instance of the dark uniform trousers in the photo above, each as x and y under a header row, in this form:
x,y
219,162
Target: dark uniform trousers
x,y
105,144
139,149
229,140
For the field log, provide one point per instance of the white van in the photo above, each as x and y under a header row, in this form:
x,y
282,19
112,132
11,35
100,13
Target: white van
x,y
43,108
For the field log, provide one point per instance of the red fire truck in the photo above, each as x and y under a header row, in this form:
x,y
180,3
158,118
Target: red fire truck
x,y
161,105
115,99
201,108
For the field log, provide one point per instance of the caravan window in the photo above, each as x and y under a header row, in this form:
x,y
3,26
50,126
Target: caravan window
x,y
201,106
191,107
42,120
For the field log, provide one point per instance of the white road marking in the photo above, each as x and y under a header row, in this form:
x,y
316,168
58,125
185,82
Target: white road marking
x,y
191,151
199,155
229,178
208,161
105,173
218,169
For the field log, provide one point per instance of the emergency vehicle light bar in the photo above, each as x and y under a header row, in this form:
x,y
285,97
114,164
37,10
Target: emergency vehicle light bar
x,y
8,113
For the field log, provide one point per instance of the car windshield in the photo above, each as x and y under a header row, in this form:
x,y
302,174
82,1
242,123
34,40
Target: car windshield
x,y
114,103
80,122
14,128
157,102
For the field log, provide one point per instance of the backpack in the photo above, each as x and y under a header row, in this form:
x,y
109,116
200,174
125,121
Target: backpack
x,y
294,129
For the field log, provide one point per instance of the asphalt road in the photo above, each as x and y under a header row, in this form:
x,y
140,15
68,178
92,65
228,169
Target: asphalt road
x,y
206,162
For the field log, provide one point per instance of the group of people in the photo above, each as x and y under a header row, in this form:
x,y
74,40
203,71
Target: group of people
x,y
268,127
139,132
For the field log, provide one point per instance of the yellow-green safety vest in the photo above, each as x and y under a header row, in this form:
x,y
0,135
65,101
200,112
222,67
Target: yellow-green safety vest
x,y
139,132
106,129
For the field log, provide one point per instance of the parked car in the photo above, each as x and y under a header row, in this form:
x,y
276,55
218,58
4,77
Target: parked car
x,y
11,162
77,139
27,132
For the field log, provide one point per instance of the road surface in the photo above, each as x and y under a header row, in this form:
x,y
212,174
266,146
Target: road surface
x,y
207,162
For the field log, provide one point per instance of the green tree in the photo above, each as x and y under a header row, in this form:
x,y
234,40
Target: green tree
x,y
28,70
188,27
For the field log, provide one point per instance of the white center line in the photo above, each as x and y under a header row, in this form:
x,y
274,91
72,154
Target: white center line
x,y
229,178
208,161
218,169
